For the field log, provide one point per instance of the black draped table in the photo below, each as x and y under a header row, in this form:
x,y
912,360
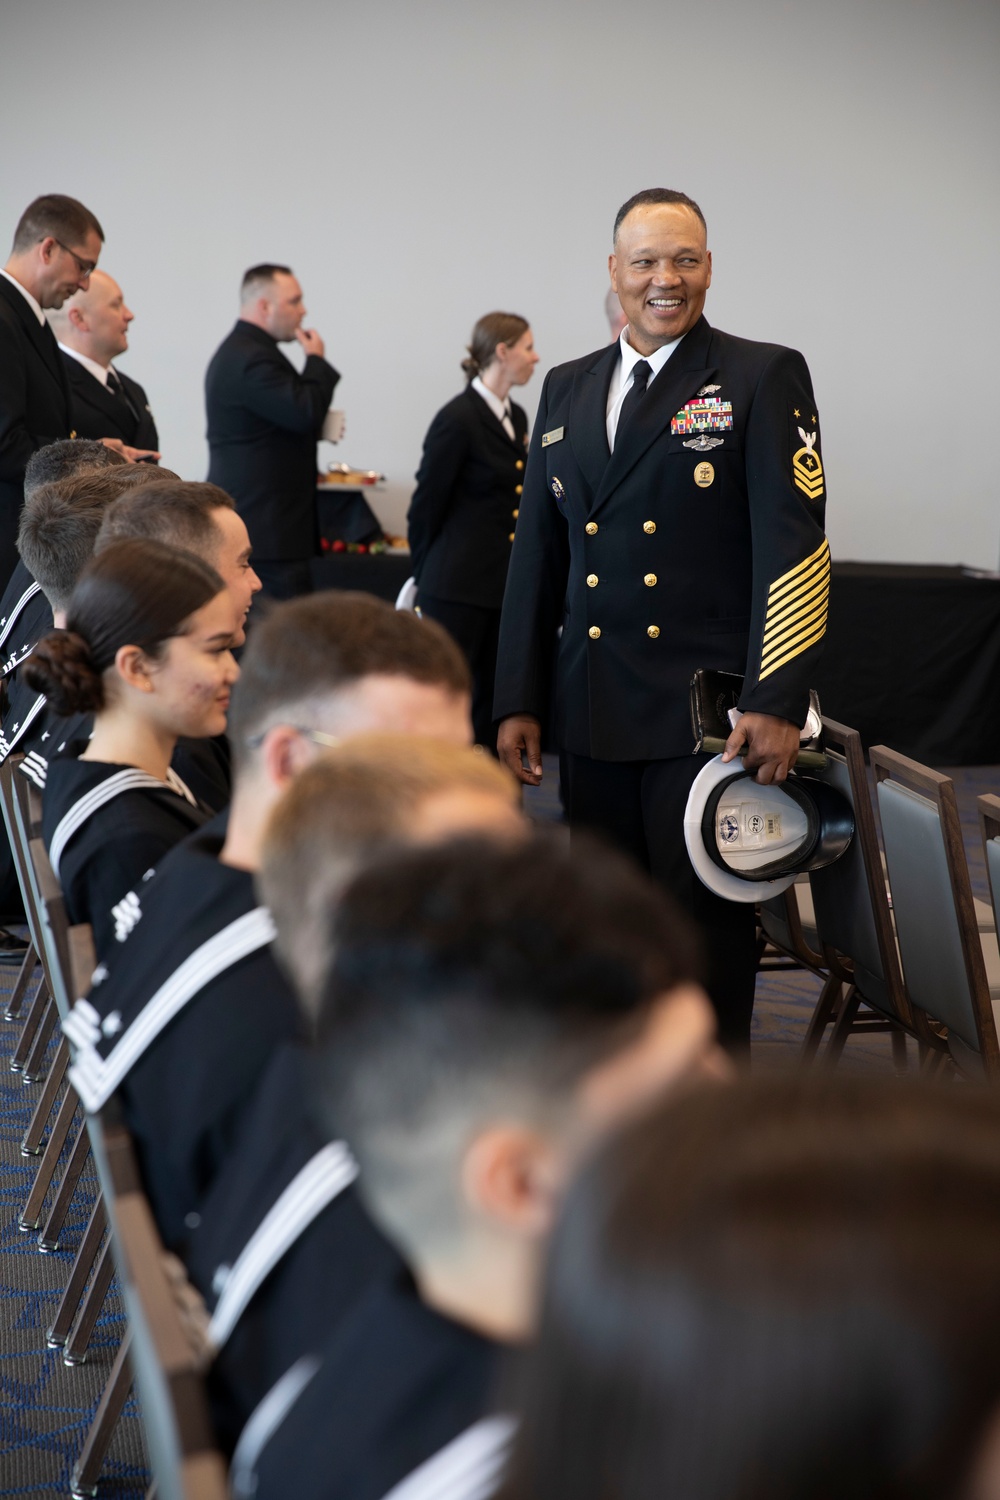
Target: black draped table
x,y
912,660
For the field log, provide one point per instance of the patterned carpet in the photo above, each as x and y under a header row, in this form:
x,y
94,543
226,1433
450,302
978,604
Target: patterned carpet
x,y
46,1408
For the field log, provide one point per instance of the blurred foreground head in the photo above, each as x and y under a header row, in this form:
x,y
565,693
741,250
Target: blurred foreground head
x,y
784,1291
494,1008
371,791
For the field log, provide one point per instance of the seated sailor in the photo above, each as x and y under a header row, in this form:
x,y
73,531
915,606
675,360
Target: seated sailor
x,y
477,1032
147,650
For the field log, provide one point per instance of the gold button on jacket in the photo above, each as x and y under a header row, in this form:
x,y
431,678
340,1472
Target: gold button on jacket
x,y
650,580
649,527
591,528
652,631
519,489
511,537
515,514
519,465
594,632
591,580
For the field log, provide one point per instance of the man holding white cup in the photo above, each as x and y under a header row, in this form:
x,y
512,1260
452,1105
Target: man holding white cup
x,y
264,421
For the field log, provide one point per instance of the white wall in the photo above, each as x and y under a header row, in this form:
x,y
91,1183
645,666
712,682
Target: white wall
x,y
421,161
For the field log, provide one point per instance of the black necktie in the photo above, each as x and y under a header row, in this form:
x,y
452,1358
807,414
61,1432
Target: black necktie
x,y
641,372
117,389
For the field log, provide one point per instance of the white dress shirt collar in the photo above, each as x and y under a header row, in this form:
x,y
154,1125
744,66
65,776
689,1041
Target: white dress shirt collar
x,y
33,303
99,372
621,380
500,409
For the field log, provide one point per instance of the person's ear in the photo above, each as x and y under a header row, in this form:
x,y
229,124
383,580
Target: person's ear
x,y
132,665
48,248
501,351
77,318
285,753
510,1176
613,271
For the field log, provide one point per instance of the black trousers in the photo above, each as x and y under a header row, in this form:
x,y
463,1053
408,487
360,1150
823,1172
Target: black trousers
x,y
284,579
639,807
477,631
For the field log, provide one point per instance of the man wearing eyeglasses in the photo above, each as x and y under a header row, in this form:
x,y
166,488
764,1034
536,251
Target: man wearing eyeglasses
x,y
57,244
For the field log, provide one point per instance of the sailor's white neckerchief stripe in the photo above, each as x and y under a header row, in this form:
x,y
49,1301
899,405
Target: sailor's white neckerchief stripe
x,y
264,1422
18,733
35,767
470,1467
323,1178
94,1077
7,625
128,780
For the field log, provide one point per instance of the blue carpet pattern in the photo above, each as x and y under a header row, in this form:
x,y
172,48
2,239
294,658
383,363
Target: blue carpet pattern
x,y
45,1407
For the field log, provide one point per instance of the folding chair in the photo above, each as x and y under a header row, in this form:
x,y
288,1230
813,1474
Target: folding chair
x,y
951,969
30,961
989,827
167,1365
854,923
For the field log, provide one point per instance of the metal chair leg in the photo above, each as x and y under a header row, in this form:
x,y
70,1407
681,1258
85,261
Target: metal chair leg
x,y
86,1255
22,984
31,1025
79,1340
87,1469
31,1144
31,1216
48,1240
34,1067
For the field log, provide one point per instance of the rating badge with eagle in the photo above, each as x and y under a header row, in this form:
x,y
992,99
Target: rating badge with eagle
x,y
807,466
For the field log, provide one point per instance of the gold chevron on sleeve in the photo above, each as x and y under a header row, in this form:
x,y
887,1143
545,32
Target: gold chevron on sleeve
x,y
797,608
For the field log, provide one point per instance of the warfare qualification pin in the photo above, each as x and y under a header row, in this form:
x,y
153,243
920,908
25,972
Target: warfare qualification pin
x,y
704,474
702,443
807,467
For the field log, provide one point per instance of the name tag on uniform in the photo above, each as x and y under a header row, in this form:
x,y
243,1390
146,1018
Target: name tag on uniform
x,y
555,436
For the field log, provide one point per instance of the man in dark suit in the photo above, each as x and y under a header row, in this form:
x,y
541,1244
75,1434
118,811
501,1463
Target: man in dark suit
x,y
92,329
672,519
264,420
56,246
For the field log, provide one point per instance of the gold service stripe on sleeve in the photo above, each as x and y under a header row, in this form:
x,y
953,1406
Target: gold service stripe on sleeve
x,y
789,637
797,608
817,560
802,602
803,646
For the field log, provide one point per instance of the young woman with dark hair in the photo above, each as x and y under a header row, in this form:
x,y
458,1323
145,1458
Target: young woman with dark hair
x,y
147,650
777,1292
464,510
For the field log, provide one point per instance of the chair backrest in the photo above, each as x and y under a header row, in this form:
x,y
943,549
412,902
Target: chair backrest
x,y
939,942
183,1457
989,826
54,931
850,901
167,1367
20,829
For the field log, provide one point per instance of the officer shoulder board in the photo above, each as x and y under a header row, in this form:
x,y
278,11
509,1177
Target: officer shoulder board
x,y
322,1179
95,1077
8,625
127,780
18,733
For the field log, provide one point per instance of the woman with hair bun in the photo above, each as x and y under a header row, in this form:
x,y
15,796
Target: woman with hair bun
x,y
147,651
463,514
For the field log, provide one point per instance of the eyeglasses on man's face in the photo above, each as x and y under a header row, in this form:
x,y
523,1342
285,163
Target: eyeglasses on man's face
x,y
84,267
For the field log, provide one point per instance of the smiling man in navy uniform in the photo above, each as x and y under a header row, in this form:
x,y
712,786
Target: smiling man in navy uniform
x,y
672,519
